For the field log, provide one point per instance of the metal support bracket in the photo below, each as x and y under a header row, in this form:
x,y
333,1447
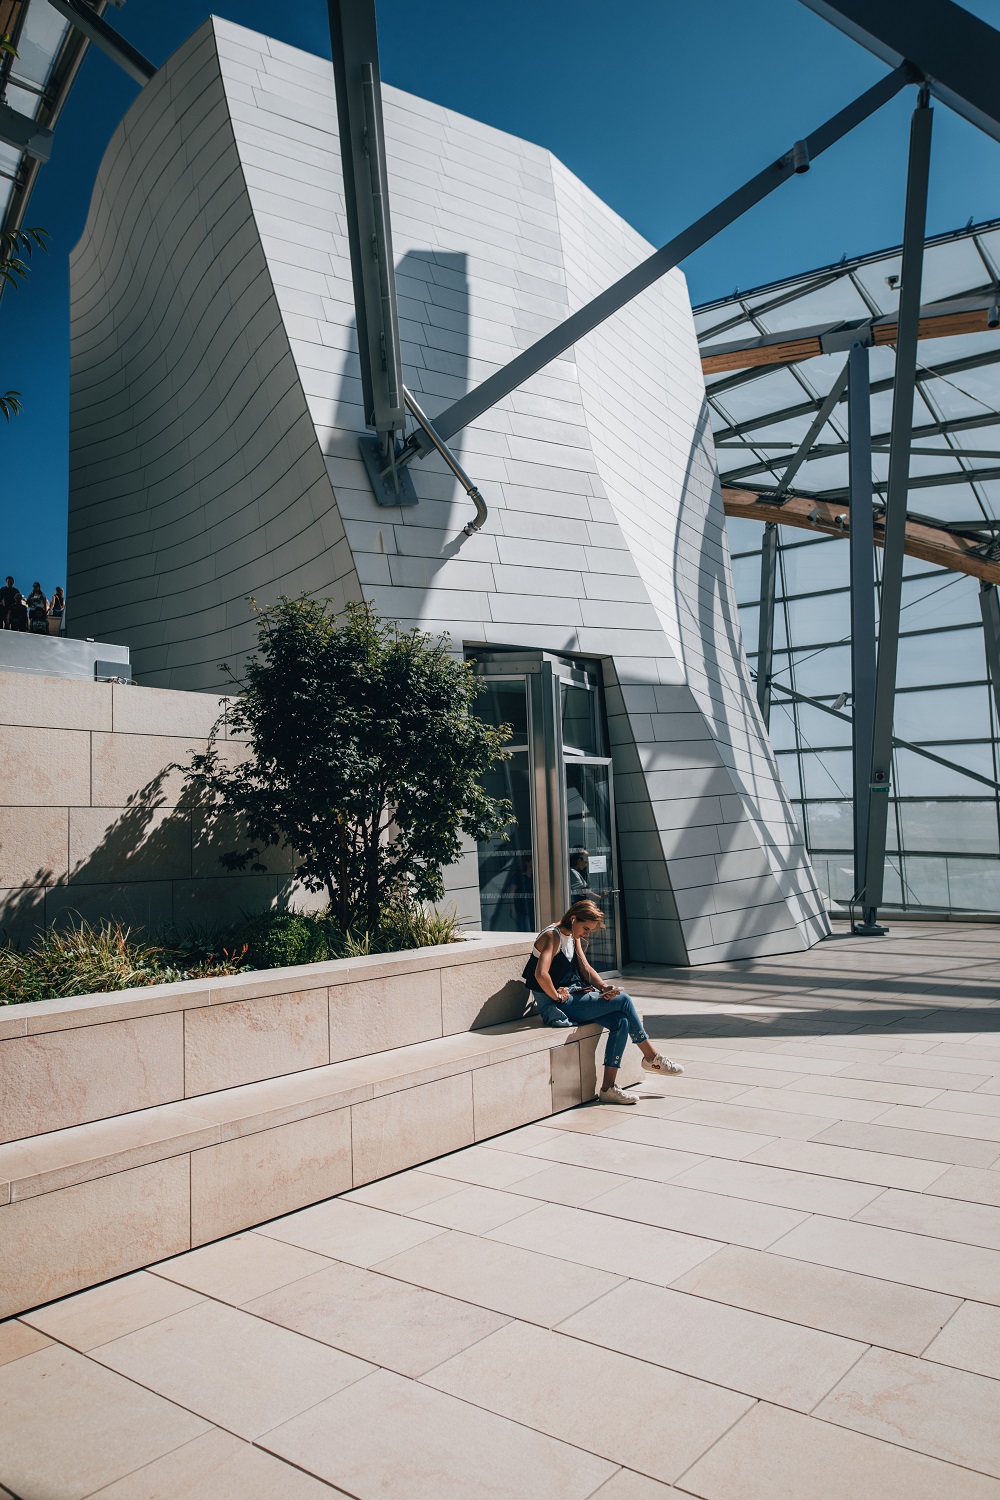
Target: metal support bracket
x,y
97,30
24,133
390,480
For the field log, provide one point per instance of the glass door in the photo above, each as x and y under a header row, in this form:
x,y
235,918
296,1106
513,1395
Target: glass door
x,y
590,830
506,861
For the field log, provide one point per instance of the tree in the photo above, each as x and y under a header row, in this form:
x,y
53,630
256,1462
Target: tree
x,y
366,758
14,244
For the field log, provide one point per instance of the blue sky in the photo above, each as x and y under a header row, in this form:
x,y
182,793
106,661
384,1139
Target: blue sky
x,y
661,106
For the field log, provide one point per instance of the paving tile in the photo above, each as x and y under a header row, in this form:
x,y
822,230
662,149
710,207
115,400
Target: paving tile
x,y
431,1447
619,1246
943,1218
682,1135
596,1398
486,1166
217,1466
590,1119
573,1186
69,1426
843,1302
901,1070
606,1154
750,1077
765,1122
828,1106
245,1266
522,1139
949,1414
928,1144
107,1312
773,1454
970,1341
349,1231
951,1123
952,1100
191,1358
744,1351
405,1328
627,1485
404,1192
860,1088
691,1211
877,1167
802,1190
520,1283
915,1259
474,1210
968,1182
18,1339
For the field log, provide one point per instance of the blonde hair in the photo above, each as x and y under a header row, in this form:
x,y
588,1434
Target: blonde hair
x,y
583,911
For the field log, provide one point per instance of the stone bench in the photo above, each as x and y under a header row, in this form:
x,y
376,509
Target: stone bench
x,y
114,1180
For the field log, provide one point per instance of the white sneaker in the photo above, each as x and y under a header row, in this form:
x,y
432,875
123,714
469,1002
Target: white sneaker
x,y
615,1095
661,1064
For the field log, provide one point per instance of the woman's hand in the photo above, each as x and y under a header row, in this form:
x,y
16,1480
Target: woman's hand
x,y
562,994
610,991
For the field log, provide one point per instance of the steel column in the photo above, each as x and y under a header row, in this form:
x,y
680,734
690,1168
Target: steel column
x,y
765,634
904,388
862,542
989,605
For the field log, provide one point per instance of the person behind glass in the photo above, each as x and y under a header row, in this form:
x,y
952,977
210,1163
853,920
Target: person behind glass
x,y
38,606
57,606
18,612
6,602
569,992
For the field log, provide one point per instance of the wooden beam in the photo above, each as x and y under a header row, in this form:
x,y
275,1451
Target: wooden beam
x,y
806,345
931,544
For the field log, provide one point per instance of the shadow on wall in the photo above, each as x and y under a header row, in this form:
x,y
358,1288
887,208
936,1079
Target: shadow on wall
x,y
434,319
156,866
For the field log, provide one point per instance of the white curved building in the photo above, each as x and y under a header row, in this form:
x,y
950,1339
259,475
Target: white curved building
x,y
215,413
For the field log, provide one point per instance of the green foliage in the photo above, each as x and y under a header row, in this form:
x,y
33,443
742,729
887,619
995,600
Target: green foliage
x,y
10,404
85,959
15,243
275,940
366,758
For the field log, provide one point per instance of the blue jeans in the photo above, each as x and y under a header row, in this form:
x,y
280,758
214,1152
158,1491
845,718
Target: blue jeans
x,y
619,1017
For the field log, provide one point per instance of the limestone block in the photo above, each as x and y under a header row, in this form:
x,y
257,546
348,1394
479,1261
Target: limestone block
x,y
512,1093
137,765
484,994
62,1241
52,766
153,843
140,903
226,1045
54,702
257,1177
63,1078
222,899
373,1015
34,844
415,1125
147,710
564,1063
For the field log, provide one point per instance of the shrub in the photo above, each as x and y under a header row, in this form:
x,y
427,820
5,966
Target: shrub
x,y
86,959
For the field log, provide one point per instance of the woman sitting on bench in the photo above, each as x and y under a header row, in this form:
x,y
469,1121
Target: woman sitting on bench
x,y
569,992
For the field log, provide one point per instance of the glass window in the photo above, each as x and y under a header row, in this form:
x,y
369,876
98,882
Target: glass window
x,y
826,618
506,869
973,884
827,774
591,850
915,776
830,825
949,827
581,728
952,656
943,714
505,703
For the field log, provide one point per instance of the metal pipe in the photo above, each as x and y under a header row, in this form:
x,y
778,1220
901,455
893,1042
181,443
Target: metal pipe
x,y
456,468
904,388
765,633
862,544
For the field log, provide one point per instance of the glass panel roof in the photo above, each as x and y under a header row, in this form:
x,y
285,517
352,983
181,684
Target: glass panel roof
x,y
38,32
760,414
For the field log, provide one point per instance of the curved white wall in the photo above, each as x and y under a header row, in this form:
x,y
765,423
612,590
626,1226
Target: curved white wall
x,y
215,413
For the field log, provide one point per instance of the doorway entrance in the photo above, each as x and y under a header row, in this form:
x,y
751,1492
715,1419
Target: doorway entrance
x,y
560,845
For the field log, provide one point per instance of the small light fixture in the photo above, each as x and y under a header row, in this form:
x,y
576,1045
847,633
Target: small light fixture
x,y
839,702
993,317
800,157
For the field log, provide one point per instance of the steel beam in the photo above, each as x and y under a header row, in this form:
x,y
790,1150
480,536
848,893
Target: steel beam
x,y
97,30
24,133
366,195
863,657
765,634
830,400
601,307
989,605
958,54
904,389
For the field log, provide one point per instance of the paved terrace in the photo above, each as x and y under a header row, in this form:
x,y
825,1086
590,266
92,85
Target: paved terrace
x,y
778,1276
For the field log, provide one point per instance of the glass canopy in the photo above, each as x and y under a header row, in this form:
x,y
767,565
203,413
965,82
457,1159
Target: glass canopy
x,y
944,827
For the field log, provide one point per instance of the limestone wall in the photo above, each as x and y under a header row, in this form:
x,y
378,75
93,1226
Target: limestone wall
x,y
94,821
